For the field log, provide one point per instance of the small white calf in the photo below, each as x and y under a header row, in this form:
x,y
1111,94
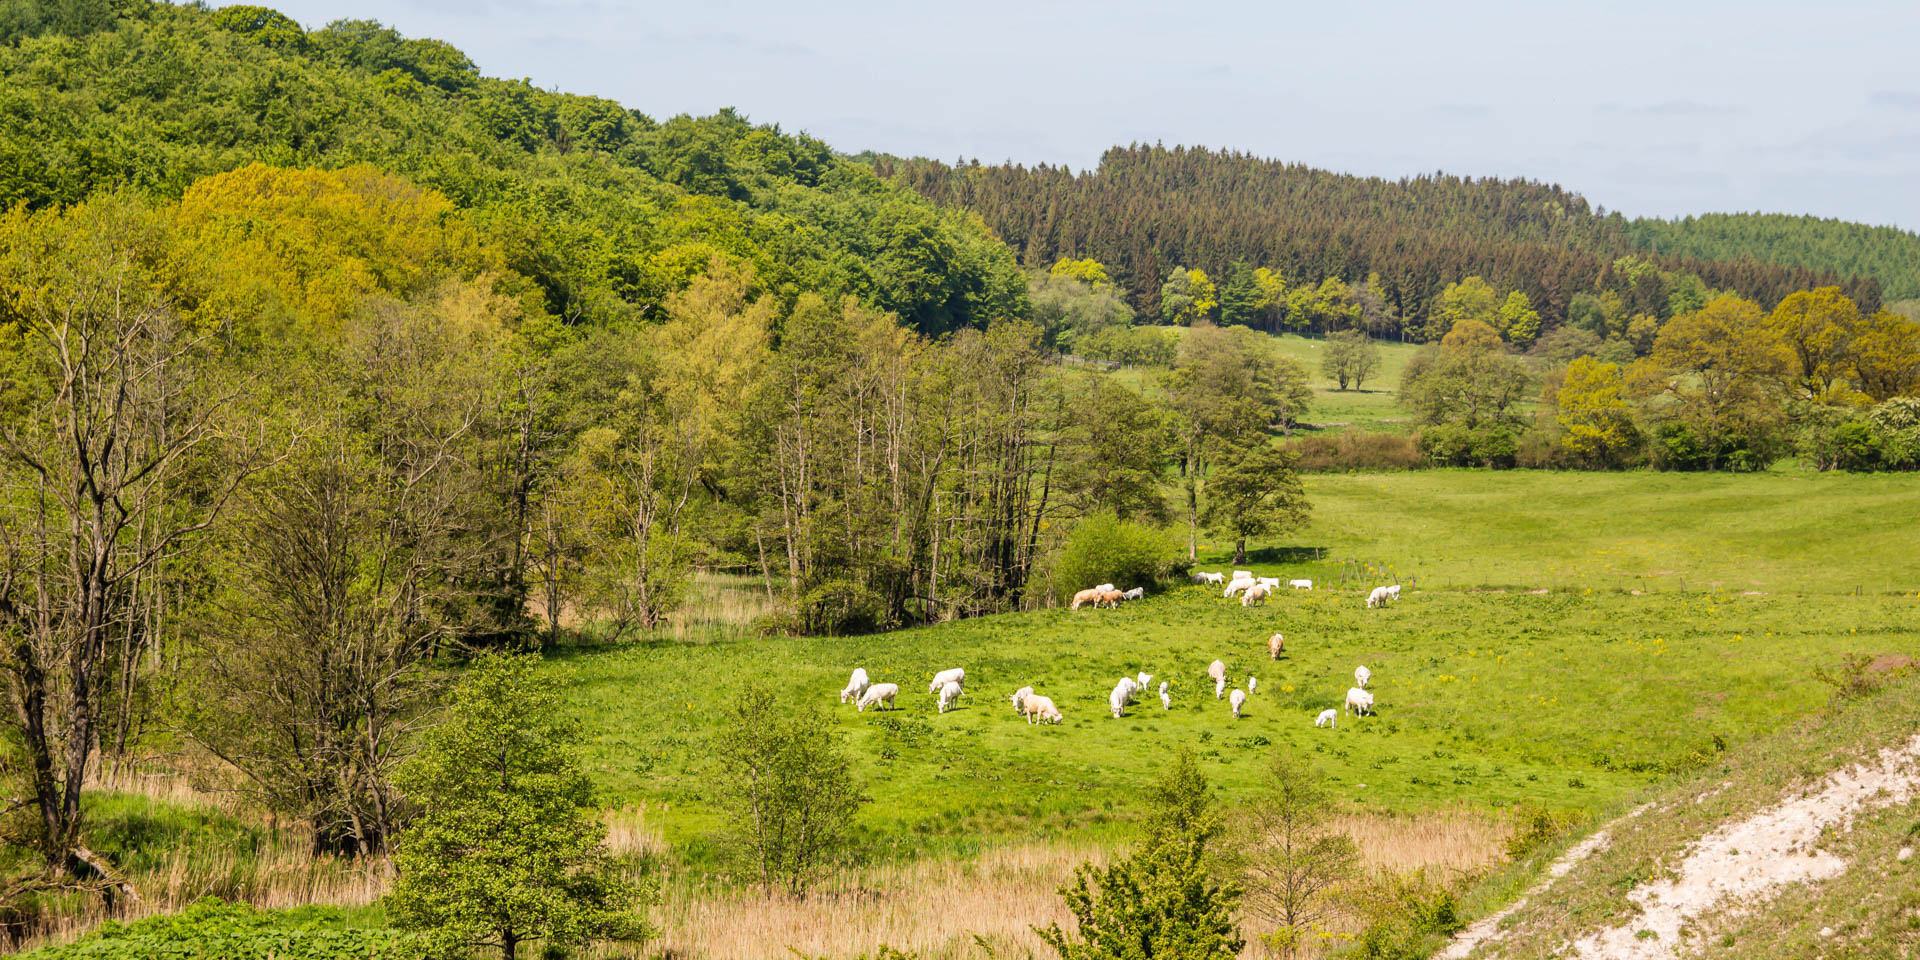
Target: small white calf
x,y
1271,583
876,695
1219,687
1300,584
1255,594
856,685
1359,701
1238,700
1394,591
949,695
1251,683
1166,701
1215,577
1327,718
1134,594
944,677
1361,675
1275,644
1143,679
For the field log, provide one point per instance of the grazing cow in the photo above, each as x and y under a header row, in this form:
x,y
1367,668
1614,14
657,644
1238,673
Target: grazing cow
x,y
1238,584
1300,584
1255,594
1085,597
1381,595
1327,718
1275,644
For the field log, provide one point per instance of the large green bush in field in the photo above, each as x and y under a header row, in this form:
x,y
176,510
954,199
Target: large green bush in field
x,y
1106,549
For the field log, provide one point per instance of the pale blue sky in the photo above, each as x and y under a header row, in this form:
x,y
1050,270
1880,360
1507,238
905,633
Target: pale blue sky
x,y
1652,108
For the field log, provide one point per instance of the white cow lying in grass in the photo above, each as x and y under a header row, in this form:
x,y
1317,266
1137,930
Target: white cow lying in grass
x,y
1381,595
1039,709
856,685
1275,644
1238,584
944,677
1300,584
1328,717
1238,700
949,695
876,695
1255,594
1359,701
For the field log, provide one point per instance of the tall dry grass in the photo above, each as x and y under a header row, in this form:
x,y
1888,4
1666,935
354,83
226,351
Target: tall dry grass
x,y
937,908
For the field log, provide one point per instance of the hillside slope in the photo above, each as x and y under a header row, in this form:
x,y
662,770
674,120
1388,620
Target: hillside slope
x,y
1147,209
1888,254
1798,845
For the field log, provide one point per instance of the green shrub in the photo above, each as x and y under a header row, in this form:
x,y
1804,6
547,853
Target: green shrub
x,y
1404,913
1456,445
214,930
1105,549
1537,826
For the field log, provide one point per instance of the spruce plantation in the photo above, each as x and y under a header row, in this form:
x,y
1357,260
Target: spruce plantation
x,y
443,516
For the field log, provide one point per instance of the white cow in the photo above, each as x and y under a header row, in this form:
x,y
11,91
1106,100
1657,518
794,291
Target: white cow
x,y
1215,577
856,685
1134,594
1106,588
1039,709
1243,574
1019,697
944,677
1166,700
1238,584
1275,644
1117,700
1327,718
1237,701
1255,594
949,695
1300,584
876,695
1361,675
1359,701
1252,682
1143,679
1271,583
1381,595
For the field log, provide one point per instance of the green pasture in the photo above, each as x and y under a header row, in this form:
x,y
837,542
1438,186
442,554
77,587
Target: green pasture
x,y
1488,694
1375,408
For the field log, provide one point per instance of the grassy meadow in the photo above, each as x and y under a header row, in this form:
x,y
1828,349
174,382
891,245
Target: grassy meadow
x,y
1374,408
1490,694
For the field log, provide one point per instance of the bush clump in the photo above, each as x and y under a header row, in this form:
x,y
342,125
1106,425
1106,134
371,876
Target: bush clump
x,y
233,931
1106,549
1357,450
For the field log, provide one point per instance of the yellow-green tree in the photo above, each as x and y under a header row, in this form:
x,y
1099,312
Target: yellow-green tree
x,y
1089,271
1473,298
1471,333
1818,326
1886,357
1517,320
1723,367
1591,406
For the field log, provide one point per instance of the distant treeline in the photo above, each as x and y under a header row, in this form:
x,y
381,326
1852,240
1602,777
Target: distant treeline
x,y
1888,254
1147,210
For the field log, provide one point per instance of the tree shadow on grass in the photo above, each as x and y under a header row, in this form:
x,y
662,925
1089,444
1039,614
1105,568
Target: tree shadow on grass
x,y
1286,554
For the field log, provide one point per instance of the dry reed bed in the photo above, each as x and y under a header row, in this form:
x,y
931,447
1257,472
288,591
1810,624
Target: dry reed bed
x,y
933,907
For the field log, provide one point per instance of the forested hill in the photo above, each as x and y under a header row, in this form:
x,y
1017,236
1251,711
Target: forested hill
x,y
1149,209
1888,254
608,211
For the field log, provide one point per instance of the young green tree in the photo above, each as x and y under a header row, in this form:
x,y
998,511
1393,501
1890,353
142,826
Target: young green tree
x,y
1188,296
1292,861
1470,299
788,786
506,847
1255,495
1164,900
1517,320
1350,358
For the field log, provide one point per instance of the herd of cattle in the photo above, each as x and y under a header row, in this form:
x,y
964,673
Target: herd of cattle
x,y
948,685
